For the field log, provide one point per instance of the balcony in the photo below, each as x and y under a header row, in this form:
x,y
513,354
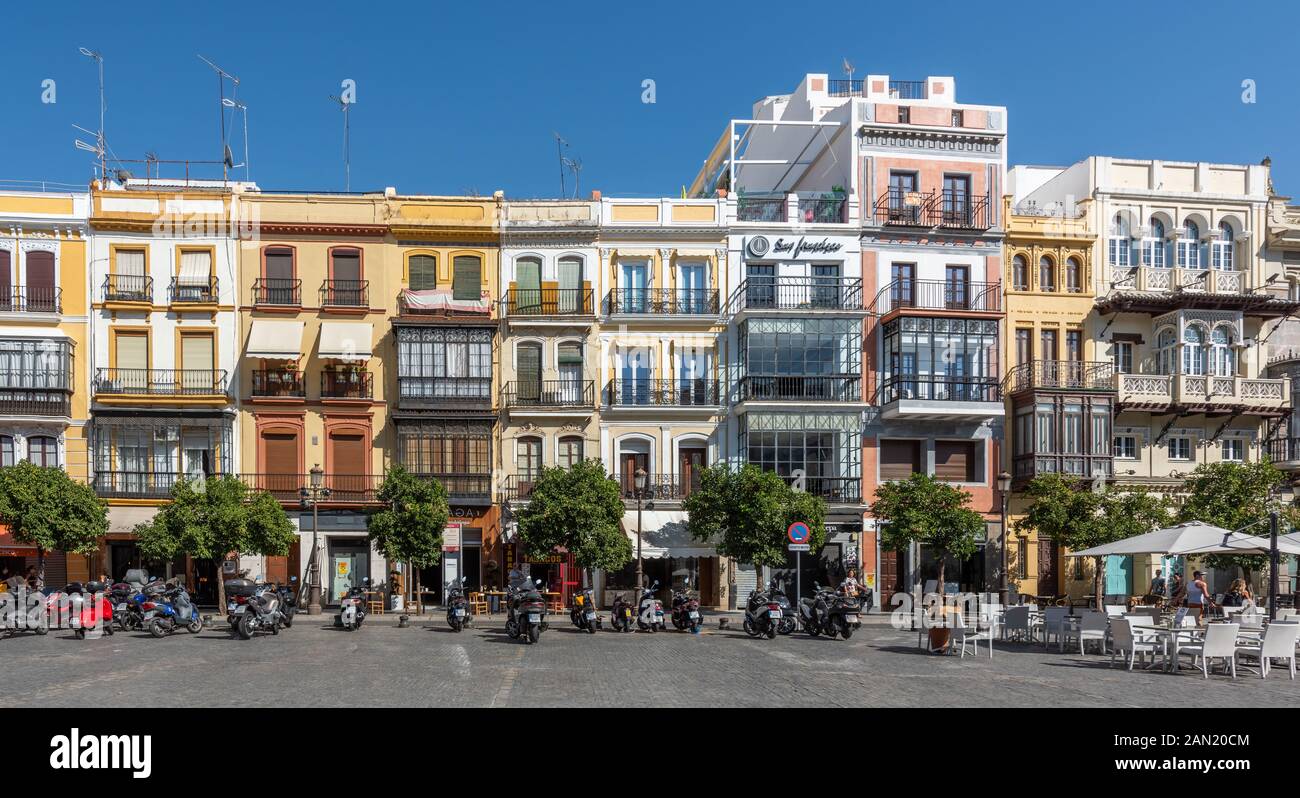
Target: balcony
x,y
131,288
160,382
201,291
278,384
897,90
25,299
836,490
137,484
938,396
548,302
1196,393
34,403
345,294
822,210
798,293
1284,452
658,487
550,394
821,388
464,487
1150,289
515,489
942,210
1061,375
962,296
1080,466
348,489
761,208
277,292
347,385
662,302
442,392
663,393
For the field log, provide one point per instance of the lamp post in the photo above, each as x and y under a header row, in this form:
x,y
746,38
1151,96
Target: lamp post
x,y
1290,492
311,494
1004,488
639,483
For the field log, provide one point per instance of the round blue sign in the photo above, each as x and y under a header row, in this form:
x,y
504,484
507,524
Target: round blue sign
x,y
799,532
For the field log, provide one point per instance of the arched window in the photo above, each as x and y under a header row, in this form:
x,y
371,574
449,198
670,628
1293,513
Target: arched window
x,y
1073,275
1019,273
1222,256
1167,349
1189,246
569,452
1153,246
43,450
1046,274
1120,243
6,450
1194,350
1223,358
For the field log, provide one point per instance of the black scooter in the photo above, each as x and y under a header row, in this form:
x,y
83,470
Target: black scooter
x,y
583,612
787,624
526,612
458,615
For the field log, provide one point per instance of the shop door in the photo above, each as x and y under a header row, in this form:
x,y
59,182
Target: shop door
x,y
1119,576
692,462
889,579
349,565
1048,577
348,456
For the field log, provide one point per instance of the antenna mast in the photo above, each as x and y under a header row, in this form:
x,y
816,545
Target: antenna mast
x,y
222,77
560,144
347,155
100,146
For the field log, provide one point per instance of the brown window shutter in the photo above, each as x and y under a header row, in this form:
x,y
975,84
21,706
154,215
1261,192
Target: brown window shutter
x,y
281,453
899,459
954,461
279,264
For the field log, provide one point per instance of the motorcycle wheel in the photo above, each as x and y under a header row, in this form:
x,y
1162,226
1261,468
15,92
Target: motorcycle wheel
x,y
245,627
80,634
195,626
108,629
695,628
338,621
771,632
360,618
677,622
42,630
811,628
534,634
512,630
846,631
830,631
288,618
749,628
455,625
787,625
275,628
591,628
156,628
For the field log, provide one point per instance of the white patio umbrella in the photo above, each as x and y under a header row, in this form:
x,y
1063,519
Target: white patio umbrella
x,y
1242,543
1192,537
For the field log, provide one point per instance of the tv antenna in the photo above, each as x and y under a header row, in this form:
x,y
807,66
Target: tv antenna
x,y
99,148
560,144
572,164
243,110
222,77
347,158
848,70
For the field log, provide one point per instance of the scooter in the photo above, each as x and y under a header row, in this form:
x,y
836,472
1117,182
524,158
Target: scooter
x,y
620,615
526,613
171,611
583,612
787,624
762,615
650,612
263,611
81,608
352,609
24,611
686,609
458,616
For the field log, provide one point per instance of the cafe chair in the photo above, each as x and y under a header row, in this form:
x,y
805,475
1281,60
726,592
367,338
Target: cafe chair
x,y
478,604
1279,642
1220,642
1123,642
962,635
1092,625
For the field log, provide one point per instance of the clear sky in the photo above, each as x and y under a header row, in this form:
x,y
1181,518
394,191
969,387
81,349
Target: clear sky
x,y
466,98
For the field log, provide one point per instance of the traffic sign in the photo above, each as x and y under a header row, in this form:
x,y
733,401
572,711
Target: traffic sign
x,y
800,547
798,532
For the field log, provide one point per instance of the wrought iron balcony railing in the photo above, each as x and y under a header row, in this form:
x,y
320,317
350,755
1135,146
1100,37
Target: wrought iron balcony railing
x,y
128,288
822,210
549,302
947,209
347,385
658,487
28,299
761,209
960,295
344,488
279,384
1076,375
143,484
189,290
836,388
416,392
663,393
277,291
838,490
34,403
160,382
663,302
345,293
798,293
550,393
941,388
1282,450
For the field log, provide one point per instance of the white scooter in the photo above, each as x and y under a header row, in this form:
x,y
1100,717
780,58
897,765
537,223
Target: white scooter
x,y
650,612
352,609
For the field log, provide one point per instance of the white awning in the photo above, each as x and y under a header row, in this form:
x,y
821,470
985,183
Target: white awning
x,y
275,339
663,534
346,340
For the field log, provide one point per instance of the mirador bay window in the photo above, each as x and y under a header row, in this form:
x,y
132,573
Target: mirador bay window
x,y
1064,434
145,456
822,452
816,359
444,363
940,358
458,454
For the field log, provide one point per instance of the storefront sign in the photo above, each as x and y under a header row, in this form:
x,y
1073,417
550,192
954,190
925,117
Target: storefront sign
x,y
451,538
794,249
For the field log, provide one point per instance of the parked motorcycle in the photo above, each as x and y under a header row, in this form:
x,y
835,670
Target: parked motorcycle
x,y
650,612
686,609
170,611
458,615
830,613
352,608
262,611
583,612
81,608
526,612
787,624
762,615
620,615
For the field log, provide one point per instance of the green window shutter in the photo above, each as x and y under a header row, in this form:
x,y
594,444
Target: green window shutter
x,y
467,278
422,272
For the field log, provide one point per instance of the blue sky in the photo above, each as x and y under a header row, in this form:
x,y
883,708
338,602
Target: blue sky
x,y
466,99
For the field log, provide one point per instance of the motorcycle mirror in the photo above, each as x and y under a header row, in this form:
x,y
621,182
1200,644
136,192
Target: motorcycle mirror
x,y
293,579
537,582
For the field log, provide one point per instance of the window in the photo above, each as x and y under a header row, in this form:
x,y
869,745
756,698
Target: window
x,y
1126,447
956,461
528,459
1194,350
802,358
569,453
1223,357
1047,345
1221,253
903,284
940,359
1024,345
279,285
1189,246
6,450
467,276
1234,449
1180,448
1124,357
956,288
422,272
901,186
1045,425
1046,274
1072,429
1153,246
446,448
1022,558
129,280
131,354
445,362
1020,273
1119,245
904,114
1074,345
43,450
899,459
1167,351
958,119
1073,276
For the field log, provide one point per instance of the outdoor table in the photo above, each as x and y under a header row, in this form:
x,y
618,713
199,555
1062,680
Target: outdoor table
x,y
1169,637
433,594
494,597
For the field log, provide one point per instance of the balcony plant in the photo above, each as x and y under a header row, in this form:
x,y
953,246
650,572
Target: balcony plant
x,y
746,512
46,508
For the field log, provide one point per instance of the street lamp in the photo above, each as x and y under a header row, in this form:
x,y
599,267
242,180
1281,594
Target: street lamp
x,y
1004,488
638,480
311,495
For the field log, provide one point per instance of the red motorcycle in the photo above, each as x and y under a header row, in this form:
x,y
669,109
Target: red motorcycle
x,y
80,608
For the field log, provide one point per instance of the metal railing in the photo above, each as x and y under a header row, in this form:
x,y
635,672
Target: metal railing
x,y
898,89
435,391
665,393
761,209
549,302
34,403
1076,375
1081,466
277,291
279,384
840,490
941,388
160,382
26,299
347,385
663,301
116,484
899,207
345,293
1282,450
550,393
939,295
798,293
344,488
658,487
183,290
943,209
463,486
822,210
517,489
836,388
128,288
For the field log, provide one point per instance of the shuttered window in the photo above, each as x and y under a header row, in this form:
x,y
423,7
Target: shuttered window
x,y
281,452
132,351
899,459
279,264
422,272
345,265
196,352
130,261
954,461
467,276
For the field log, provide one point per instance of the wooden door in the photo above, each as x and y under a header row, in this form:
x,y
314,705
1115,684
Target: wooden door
x,y
631,462
693,460
280,454
1049,582
40,282
6,280
348,466
889,580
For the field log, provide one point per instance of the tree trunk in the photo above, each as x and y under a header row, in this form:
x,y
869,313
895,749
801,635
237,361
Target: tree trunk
x,y
40,567
1098,575
221,587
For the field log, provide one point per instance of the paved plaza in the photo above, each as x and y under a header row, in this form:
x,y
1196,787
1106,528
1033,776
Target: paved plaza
x,y
426,664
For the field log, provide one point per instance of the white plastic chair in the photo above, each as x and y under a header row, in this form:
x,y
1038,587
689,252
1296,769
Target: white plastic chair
x,y
1220,642
963,634
1115,610
1016,623
1092,625
1054,625
1124,642
1279,642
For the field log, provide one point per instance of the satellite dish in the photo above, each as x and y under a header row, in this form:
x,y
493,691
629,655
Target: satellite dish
x,y
122,175
227,158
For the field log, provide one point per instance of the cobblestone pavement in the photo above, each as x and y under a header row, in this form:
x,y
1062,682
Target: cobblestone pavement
x,y
428,665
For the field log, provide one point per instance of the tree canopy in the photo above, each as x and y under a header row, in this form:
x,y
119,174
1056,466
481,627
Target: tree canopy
x,y
410,528
1234,495
579,509
46,508
923,509
746,512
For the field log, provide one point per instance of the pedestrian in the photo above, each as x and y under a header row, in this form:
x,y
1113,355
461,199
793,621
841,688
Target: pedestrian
x,y
1238,594
1177,591
1198,596
850,585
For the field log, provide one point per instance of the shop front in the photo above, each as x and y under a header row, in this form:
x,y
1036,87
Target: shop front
x,y
669,556
346,556
827,567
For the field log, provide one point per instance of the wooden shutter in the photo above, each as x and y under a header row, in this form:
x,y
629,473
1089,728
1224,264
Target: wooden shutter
x,y
132,351
954,461
345,264
422,272
529,365
196,353
899,459
40,275
281,452
467,277
279,264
